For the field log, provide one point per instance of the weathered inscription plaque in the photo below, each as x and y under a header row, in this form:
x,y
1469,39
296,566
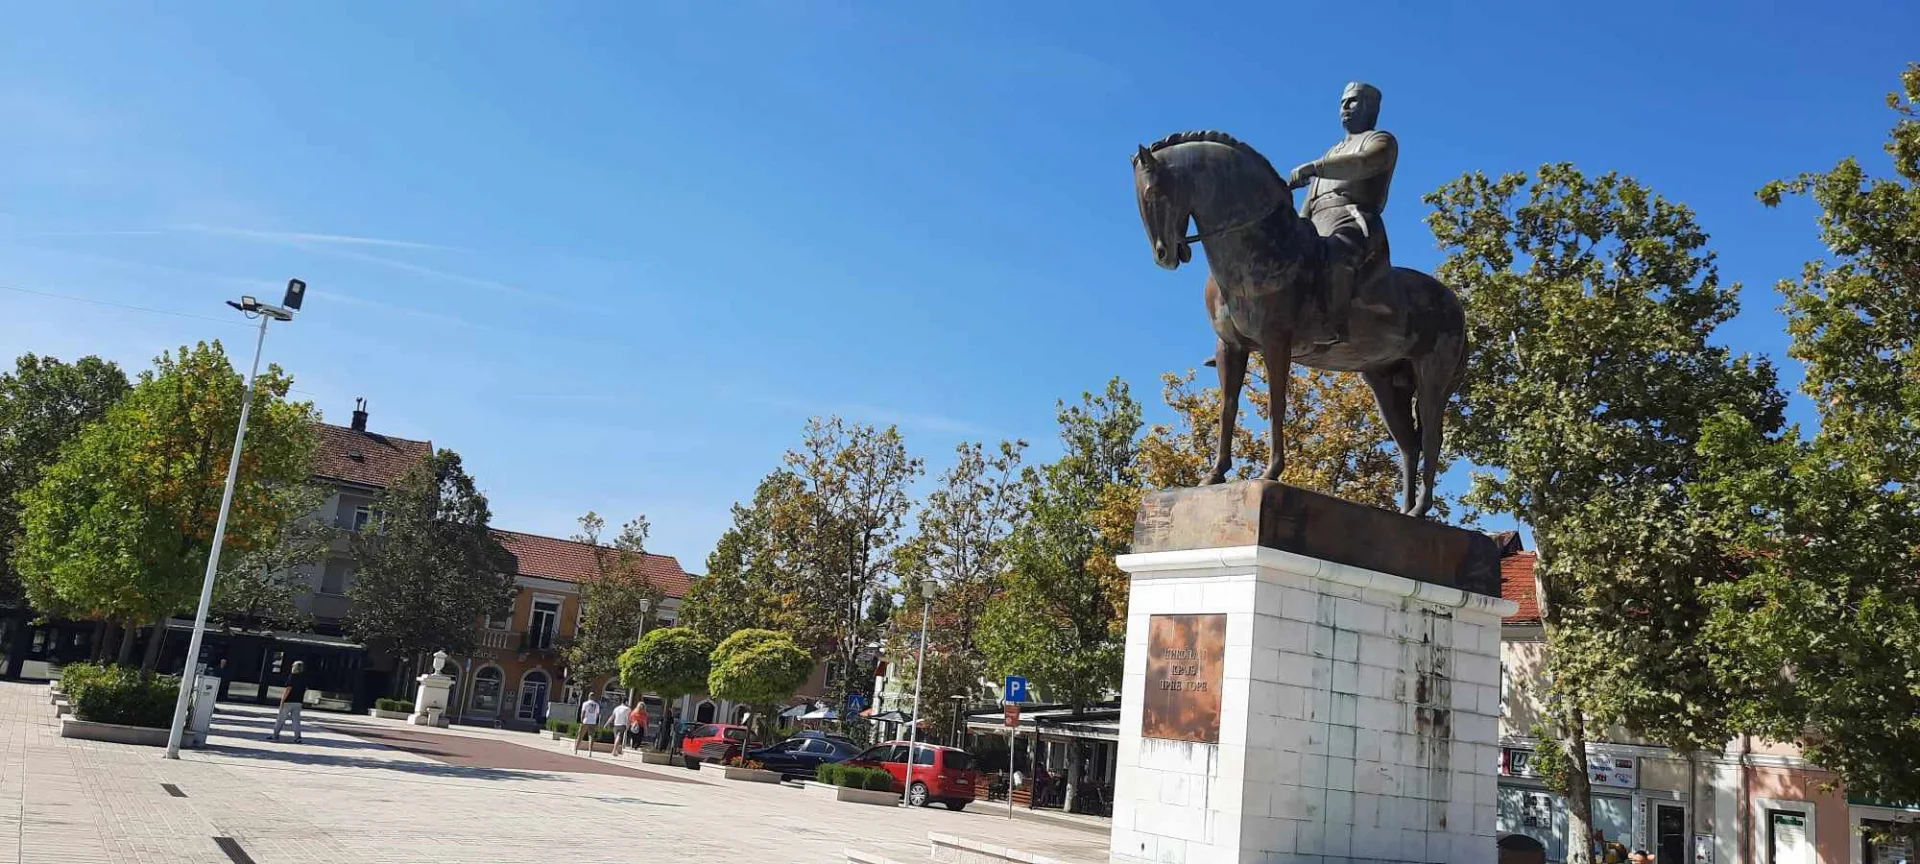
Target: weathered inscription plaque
x,y
1185,654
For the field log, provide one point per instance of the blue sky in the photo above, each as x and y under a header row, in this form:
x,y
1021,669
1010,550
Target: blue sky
x,y
616,254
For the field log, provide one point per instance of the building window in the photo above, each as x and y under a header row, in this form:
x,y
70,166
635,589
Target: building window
x,y
336,577
501,621
486,692
543,624
367,518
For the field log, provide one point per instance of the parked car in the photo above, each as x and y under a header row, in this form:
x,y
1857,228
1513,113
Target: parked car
x,y
943,774
711,742
804,753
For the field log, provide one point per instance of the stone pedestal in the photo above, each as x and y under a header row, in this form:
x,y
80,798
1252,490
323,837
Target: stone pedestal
x,y
430,700
1285,703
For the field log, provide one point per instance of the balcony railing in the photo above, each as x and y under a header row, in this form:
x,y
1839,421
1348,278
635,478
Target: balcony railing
x,y
500,640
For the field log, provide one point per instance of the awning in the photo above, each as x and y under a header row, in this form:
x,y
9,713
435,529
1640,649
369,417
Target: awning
x,y
820,714
794,713
894,716
1053,721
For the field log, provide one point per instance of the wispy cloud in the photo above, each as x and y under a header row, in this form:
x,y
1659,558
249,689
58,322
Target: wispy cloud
x,y
438,317
879,414
306,237
457,278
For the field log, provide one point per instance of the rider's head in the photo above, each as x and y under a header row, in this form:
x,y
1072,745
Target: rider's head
x,y
1359,107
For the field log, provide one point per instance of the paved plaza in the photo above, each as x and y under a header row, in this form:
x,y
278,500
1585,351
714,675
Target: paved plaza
x,y
366,790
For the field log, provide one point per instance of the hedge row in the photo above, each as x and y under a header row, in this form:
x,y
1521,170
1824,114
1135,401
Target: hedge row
x,y
404,706
602,734
120,694
855,777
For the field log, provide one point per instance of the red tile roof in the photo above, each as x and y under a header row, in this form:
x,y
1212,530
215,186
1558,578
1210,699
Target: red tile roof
x,y
569,561
1516,584
365,457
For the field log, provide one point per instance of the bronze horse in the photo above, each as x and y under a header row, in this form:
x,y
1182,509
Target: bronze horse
x,y
1406,335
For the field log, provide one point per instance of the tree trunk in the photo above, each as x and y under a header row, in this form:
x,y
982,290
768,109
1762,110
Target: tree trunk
x,y
1072,791
127,636
1579,790
154,643
100,631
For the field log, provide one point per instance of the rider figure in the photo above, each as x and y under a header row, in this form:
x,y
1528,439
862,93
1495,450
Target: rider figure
x,y
1348,193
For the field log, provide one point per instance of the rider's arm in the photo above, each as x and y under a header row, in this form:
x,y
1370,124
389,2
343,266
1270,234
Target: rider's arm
x,y
1376,154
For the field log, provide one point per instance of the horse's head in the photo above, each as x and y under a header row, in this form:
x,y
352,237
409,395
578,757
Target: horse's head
x,y
1165,208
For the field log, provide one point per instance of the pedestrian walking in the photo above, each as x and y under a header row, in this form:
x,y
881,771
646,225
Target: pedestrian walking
x,y
637,726
291,701
589,724
622,715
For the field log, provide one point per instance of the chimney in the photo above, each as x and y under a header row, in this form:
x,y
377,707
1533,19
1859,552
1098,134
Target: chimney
x,y
359,415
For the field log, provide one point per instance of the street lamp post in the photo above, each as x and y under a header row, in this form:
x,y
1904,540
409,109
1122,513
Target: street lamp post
x,y
927,589
189,676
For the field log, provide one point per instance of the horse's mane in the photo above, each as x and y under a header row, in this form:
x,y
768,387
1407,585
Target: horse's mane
x,y
1215,136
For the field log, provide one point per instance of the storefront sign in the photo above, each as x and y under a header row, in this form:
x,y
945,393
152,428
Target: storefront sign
x,y
1185,656
1517,762
1607,769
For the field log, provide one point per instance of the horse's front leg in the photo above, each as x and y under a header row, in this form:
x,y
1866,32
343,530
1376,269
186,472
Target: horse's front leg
x,y
1231,361
1277,350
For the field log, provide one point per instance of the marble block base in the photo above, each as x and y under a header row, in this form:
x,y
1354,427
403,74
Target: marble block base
x,y
1353,718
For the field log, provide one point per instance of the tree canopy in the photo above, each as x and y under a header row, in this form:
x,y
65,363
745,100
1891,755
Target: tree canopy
x,y
43,403
762,668
120,525
430,568
670,662
616,599
1591,379
1818,637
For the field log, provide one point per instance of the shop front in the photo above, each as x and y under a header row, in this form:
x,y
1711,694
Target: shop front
x,y
1636,803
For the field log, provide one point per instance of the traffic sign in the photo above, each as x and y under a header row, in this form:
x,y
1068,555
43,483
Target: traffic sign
x,y
856,702
1013,714
1016,688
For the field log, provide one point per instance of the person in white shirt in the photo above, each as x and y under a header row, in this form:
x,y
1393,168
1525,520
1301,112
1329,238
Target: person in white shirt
x,y
589,724
621,716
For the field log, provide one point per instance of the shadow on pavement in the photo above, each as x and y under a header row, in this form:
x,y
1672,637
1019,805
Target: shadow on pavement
x,y
428,769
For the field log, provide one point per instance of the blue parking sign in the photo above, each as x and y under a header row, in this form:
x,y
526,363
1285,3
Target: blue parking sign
x,y
1016,688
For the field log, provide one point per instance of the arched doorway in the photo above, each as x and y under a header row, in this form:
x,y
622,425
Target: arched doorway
x,y
703,713
533,695
486,693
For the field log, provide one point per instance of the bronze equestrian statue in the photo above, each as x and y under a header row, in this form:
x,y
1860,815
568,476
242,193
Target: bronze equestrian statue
x,y
1316,290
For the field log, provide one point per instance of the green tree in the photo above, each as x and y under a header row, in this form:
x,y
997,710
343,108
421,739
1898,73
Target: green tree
x,y
751,575
119,527
258,588
964,525
670,662
1590,307
1060,616
759,668
843,525
1819,637
431,570
617,598
43,403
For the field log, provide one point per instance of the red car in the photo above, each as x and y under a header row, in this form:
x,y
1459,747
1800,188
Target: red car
x,y
942,774
714,734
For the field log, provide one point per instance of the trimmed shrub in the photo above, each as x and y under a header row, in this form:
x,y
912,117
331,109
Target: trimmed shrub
x,y
126,697
855,777
403,706
560,726
877,780
76,676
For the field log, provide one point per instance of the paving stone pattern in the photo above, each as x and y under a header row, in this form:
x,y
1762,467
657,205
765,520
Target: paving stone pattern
x,y
395,793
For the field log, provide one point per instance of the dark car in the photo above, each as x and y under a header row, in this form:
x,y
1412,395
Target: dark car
x,y
804,753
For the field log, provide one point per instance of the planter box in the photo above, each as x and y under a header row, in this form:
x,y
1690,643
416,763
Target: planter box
x,y
868,796
649,757
113,733
556,735
598,747
819,787
386,715
752,775
61,708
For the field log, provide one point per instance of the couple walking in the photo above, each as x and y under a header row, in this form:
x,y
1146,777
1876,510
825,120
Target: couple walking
x,y
628,722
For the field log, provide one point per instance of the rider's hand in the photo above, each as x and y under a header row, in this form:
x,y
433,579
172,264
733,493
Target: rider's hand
x,y
1303,175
